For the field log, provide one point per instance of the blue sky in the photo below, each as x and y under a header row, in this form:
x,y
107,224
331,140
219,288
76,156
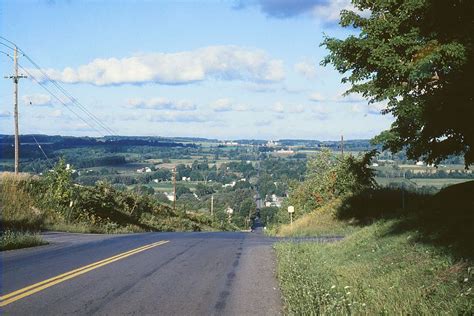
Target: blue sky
x,y
216,69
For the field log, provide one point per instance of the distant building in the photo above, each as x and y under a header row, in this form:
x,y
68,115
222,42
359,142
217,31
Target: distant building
x,y
283,151
227,185
272,143
170,196
230,143
419,163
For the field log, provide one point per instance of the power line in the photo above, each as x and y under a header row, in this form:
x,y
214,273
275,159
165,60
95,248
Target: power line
x,y
59,100
12,48
6,54
68,95
3,38
44,154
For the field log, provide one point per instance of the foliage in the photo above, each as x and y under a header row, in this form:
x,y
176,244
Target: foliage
x,y
10,239
418,56
53,201
59,188
328,177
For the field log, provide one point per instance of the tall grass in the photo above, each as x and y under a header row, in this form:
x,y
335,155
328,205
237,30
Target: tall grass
x,y
320,222
414,257
373,272
20,220
19,239
16,205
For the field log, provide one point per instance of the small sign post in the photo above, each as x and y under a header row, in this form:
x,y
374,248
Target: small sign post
x,y
291,210
229,212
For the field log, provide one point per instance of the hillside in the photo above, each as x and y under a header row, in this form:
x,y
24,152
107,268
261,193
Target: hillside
x,y
417,260
30,204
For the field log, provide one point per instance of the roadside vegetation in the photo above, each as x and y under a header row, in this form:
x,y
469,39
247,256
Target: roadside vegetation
x,y
404,252
11,239
30,204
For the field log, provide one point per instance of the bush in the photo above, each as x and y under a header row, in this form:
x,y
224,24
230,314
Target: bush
x,y
328,177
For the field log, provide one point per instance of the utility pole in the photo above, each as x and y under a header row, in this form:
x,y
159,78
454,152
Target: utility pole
x,y
16,78
174,189
342,145
212,205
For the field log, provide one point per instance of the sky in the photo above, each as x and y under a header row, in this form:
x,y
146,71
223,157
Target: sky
x,y
245,69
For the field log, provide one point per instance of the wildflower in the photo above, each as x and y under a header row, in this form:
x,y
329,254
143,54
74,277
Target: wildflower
x,y
363,304
466,279
333,287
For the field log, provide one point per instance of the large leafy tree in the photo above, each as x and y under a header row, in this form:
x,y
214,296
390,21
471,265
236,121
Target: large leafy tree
x,y
418,56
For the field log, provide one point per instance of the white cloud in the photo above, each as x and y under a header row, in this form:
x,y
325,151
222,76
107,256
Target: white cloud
x,y
37,100
317,97
372,108
357,108
5,113
330,11
278,107
377,108
162,104
227,105
177,117
351,98
339,98
306,68
222,105
260,87
297,109
212,62
56,113
263,123
320,112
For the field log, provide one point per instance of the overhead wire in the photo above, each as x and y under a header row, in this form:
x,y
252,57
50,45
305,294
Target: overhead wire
x,y
44,154
68,95
58,99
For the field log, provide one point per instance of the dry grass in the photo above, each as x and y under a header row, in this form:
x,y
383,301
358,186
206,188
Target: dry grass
x,y
321,222
16,205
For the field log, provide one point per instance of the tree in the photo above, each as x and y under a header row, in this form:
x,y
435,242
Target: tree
x,y
181,189
418,56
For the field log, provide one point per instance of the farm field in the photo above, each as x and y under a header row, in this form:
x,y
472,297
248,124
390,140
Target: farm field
x,y
420,182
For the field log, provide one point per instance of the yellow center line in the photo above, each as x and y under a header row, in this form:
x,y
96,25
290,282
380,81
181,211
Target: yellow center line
x,y
34,288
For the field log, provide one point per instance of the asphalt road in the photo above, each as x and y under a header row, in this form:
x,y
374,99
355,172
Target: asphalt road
x,y
220,273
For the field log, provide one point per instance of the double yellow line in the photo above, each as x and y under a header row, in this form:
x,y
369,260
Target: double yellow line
x,y
34,288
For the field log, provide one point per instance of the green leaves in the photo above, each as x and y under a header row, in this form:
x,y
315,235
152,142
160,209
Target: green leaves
x,y
328,177
418,55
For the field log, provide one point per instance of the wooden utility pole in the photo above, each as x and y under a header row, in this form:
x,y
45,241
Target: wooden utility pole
x,y
342,145
16,78
174,189
212,205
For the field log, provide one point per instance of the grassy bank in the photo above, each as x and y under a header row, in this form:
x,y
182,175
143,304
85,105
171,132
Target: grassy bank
x,y
320,222
416,260
31,204
17,239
